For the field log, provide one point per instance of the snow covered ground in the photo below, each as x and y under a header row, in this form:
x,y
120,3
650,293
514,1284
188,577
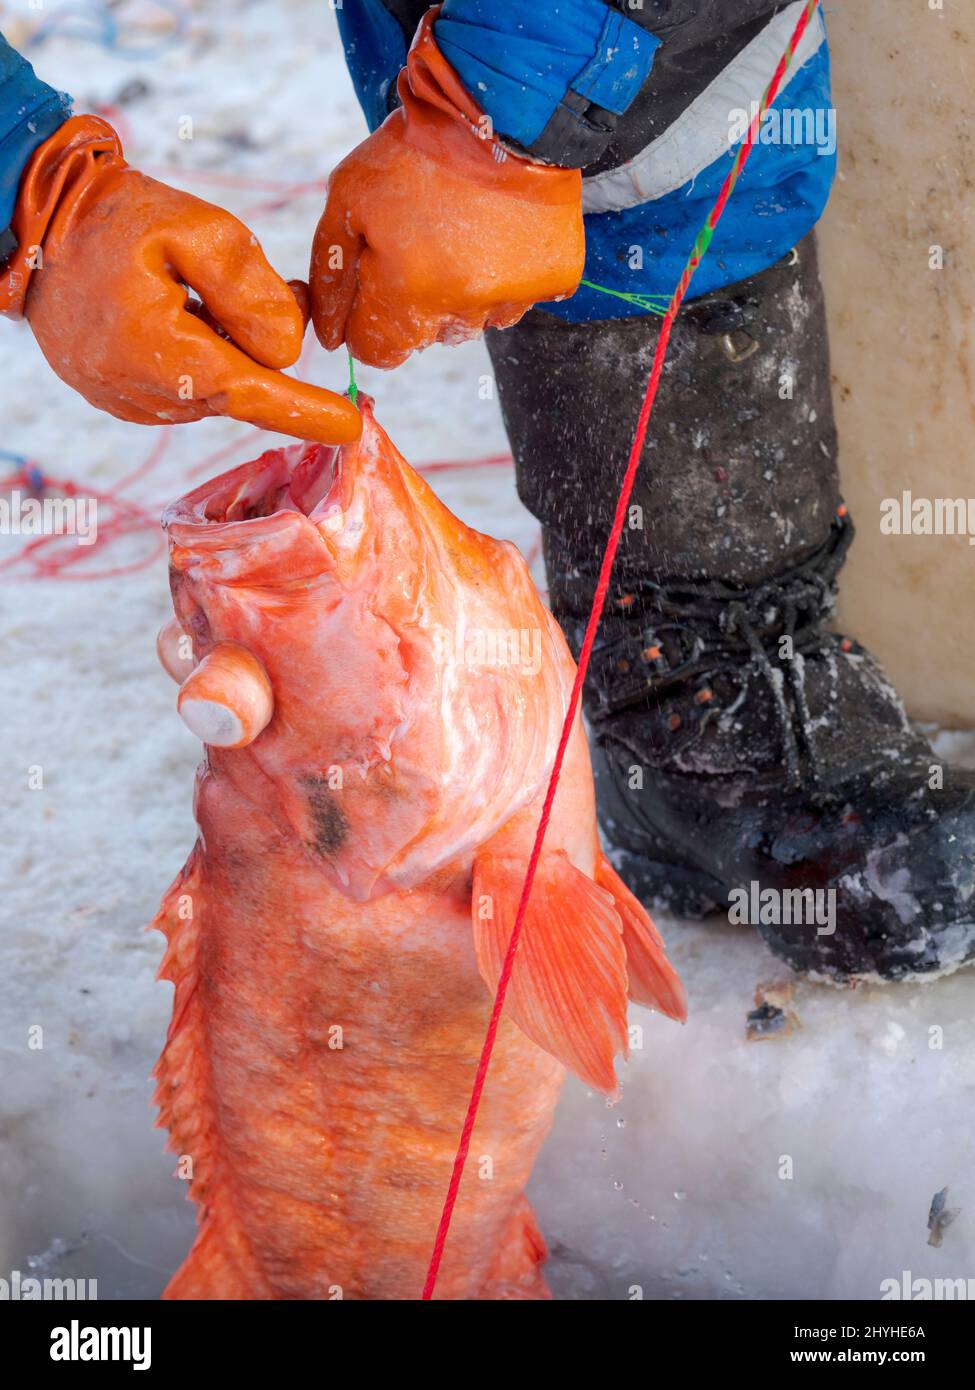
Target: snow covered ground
x,y
677,1189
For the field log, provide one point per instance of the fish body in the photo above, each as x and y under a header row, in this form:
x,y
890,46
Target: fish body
x,y
386,691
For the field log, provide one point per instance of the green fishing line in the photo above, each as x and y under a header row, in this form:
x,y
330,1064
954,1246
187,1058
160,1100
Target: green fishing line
x,y
650,303
353,388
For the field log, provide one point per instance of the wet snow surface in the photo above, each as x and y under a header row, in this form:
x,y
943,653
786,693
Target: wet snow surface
x,y
677,1188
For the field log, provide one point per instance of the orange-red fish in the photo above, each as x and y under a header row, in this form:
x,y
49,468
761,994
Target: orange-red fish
x,y
381,691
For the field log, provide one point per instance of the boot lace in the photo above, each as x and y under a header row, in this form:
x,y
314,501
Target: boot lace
x,y
695,630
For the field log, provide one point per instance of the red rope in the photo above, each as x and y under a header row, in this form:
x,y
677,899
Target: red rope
x,y
48,559
599,600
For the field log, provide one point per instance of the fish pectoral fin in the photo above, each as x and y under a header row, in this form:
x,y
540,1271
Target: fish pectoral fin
x,y
653,980
568,986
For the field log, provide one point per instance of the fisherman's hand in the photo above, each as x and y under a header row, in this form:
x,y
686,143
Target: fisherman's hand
x,y
106,296
433,230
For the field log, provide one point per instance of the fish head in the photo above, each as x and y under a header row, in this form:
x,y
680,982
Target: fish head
x,y
418,683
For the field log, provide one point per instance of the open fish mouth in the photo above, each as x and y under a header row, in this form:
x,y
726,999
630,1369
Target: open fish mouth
x,y
280,514
273,520
262,523
298,478
311,479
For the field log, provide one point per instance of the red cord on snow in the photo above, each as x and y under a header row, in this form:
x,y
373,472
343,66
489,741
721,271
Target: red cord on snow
x,y
701,245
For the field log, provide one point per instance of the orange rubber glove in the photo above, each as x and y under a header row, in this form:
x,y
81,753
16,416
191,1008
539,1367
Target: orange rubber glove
x,y
107,301
433,230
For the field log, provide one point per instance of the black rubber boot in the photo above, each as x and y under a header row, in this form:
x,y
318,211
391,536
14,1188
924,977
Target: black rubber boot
x,y
747,758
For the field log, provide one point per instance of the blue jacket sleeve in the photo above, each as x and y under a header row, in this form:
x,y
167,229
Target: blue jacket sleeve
x,y
30,111
553,75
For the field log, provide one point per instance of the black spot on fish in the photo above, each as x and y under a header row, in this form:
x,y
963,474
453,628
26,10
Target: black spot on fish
x,y
329,823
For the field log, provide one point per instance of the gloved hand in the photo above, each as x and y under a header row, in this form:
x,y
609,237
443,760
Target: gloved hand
x,y
107,302
433,230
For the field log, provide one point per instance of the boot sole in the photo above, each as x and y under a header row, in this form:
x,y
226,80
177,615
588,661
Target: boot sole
x,y
690,893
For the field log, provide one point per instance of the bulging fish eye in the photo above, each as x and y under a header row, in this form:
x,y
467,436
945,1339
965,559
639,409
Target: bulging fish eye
x,y
226,701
